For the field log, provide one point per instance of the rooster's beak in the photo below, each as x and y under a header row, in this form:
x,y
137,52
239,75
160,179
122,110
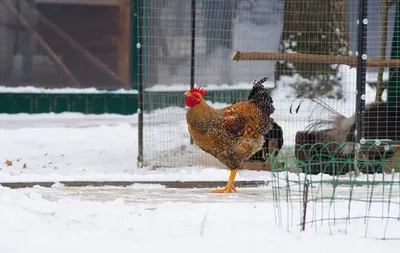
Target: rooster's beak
x,y
187,94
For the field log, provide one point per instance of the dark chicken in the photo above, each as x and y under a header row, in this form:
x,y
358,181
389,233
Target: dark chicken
x,y
231,134
379,121
273,142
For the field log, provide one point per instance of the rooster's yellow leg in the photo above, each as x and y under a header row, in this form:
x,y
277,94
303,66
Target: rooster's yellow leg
x,y
230,186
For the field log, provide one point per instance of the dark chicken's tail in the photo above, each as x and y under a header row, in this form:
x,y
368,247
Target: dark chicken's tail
x,y
275,134
260,96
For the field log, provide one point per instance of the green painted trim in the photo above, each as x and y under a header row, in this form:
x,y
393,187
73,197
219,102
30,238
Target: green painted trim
x,y
93,103
33,103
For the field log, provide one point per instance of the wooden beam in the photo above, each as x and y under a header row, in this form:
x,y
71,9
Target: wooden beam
x,y
124,41
384,38
80,2
311,58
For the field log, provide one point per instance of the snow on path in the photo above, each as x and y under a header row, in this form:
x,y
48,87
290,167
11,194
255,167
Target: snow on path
x,y
44,220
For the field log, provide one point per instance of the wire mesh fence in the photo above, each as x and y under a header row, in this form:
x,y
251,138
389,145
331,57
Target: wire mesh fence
x,y
332,72
64,44
167,39
307,49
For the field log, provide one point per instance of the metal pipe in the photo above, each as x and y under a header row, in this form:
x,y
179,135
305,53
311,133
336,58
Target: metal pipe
x,y
140,81
193,45
193,49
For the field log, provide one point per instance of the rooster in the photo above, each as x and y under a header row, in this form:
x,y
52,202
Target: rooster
x,y
231,134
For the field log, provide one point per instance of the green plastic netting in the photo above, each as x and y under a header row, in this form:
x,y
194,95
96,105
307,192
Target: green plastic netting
x,y
320,188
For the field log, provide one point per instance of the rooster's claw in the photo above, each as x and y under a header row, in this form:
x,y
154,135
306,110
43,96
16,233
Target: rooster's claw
x,y
225,190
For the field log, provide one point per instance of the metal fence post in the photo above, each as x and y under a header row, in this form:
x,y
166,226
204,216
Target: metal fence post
x,y
193,49
140,81
134,44
361,64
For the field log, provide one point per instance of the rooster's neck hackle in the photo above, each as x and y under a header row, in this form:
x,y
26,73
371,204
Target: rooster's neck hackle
x,y
201,113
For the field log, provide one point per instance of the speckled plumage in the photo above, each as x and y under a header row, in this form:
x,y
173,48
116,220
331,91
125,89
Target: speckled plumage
x,y
232,134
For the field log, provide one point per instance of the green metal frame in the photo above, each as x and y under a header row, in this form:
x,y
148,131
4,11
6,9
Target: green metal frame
x,y
84,103
394,78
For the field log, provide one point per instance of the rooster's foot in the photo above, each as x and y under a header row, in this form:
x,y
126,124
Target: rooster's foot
x,y
230,186
227,189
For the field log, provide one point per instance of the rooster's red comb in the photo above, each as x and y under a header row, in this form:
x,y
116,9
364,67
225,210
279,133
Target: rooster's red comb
x,y
199,90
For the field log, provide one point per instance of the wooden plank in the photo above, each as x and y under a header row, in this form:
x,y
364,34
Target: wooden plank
x,y
167,184
124,41
81,2
311,58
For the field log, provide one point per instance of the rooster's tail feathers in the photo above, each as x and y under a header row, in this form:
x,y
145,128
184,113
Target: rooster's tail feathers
x,y
257,88
260,96
259,83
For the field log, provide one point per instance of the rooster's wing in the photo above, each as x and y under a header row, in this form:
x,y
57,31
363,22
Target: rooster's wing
x,y
233,123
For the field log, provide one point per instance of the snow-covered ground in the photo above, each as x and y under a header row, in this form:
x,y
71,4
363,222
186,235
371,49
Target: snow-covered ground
x,y
151,219
143,218
72,146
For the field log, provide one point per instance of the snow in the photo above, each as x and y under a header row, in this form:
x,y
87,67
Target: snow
x,y
134,220
72,146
